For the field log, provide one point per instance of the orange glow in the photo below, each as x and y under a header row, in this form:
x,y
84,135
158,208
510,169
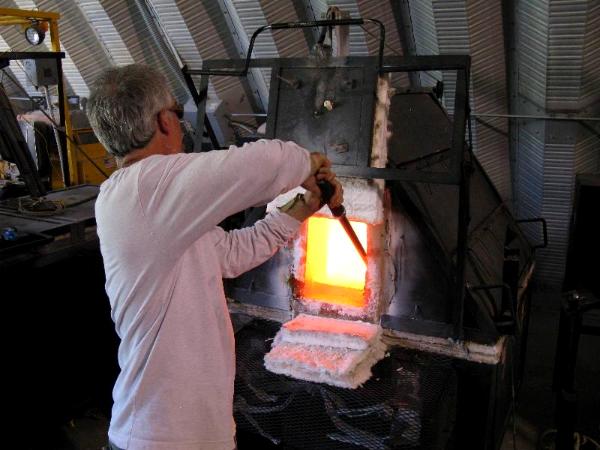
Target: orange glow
x,y
335,272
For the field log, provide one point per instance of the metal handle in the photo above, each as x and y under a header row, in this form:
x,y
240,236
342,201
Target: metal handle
x,y
327,191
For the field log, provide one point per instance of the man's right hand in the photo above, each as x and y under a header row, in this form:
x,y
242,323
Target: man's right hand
x,y
319,166
321,170
305,206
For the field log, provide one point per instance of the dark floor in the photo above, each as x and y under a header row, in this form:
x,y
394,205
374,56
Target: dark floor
x,y
535,401
535,408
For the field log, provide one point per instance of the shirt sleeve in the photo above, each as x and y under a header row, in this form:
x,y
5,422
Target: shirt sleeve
x,y
186,195
242,250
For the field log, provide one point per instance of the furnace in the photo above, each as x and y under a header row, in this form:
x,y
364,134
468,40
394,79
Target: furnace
x,y
334,272
328,276
445,279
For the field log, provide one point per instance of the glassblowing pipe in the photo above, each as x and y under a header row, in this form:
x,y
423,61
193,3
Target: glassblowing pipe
x,y
339,212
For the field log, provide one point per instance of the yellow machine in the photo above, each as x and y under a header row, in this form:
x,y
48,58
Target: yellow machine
x,y
84,152
88,145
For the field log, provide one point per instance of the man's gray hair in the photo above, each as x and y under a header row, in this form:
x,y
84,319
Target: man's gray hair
x,y
123,105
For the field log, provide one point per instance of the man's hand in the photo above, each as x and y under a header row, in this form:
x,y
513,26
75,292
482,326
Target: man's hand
x,y
320,170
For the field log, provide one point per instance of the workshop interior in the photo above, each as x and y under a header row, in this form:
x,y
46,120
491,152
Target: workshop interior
x,y
453,302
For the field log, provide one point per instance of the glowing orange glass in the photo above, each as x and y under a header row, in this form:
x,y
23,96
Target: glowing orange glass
x,y
334,272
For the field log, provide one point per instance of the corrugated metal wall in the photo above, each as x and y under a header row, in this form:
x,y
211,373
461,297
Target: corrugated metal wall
x,y
554,59
554,69
590,88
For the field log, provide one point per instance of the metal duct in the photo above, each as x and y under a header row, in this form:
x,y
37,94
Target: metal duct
x,y
530,164
489,92
453,39
426,43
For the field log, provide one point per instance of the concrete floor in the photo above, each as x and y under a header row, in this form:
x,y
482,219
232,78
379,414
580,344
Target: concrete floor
x,y
535,401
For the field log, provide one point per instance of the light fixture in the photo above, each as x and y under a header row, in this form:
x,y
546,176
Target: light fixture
x,y
36,32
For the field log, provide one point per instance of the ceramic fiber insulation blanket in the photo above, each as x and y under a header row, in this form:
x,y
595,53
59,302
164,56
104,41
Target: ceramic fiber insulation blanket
x,y
312,330
336,366
326,350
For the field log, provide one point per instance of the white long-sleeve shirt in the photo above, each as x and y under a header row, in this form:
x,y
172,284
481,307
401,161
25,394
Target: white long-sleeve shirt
x,y
164,258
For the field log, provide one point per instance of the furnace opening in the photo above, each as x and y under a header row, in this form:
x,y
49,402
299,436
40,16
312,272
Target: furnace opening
x,y
334,271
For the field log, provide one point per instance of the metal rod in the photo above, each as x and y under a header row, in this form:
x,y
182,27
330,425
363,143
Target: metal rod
x,y
531,117
62,142
353,237
293,25
390,63
463,167
197,99
60,148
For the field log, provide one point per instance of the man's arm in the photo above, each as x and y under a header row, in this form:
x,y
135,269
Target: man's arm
x,y
242,250
185,196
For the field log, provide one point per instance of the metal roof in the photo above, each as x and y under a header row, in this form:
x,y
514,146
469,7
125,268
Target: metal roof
x,y
540,59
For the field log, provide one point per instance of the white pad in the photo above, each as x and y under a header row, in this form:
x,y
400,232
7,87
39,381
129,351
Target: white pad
x,y
336,366
325,350
313,330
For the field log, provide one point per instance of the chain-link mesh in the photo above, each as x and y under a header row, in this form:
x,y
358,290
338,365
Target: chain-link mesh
x,y
405,405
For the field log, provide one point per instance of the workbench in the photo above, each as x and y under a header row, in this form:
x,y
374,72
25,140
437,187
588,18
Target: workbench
x,y
41,240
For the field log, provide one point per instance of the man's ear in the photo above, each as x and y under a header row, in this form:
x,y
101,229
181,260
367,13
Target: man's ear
x,y
163,121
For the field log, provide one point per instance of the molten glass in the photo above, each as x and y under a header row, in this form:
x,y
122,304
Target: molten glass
x,y
335,272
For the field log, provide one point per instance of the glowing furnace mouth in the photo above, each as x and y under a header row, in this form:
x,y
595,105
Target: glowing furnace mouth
x,y
334,271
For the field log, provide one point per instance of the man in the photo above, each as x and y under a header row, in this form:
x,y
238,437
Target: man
x,y
165,258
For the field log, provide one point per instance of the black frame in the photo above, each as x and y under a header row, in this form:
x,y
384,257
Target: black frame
x,y
460,167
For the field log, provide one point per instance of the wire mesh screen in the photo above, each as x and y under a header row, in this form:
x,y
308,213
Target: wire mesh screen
x,y
407,404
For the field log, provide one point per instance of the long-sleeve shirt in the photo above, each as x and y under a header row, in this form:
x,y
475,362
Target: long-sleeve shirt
x,y
164,258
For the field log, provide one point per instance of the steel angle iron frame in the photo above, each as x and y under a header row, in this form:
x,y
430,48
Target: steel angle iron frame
x,y
460,166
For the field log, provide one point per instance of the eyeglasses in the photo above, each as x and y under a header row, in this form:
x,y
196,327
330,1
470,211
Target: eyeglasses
x,y
177,108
